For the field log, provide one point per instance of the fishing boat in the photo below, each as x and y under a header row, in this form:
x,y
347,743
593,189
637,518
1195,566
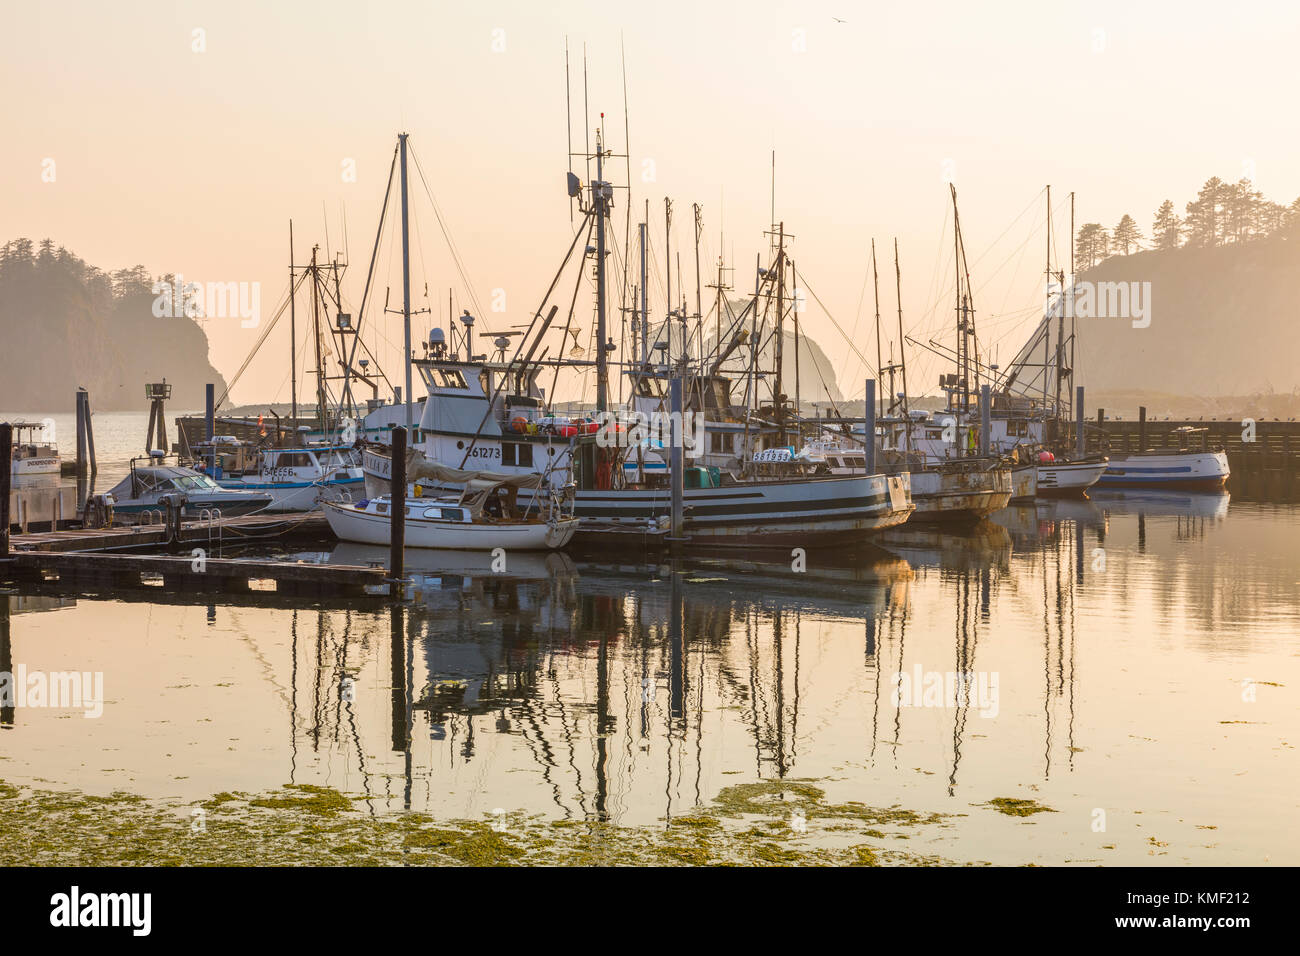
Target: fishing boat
x,y
151,479
954,478
492,411
1067,477
32,454
957,490
486,515
1190,468
296,478
1031,412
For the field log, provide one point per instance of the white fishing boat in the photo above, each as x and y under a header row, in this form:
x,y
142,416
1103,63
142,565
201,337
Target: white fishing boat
x,y
32,454
960,489
486,515
296,478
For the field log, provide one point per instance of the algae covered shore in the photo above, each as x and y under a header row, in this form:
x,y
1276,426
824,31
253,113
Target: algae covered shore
x,y
765,823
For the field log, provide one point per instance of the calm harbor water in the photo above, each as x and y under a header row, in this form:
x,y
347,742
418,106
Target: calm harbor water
x,y
1133,661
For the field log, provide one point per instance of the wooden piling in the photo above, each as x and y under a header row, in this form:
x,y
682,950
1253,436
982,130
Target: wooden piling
x,y
869,423
397,516
6,477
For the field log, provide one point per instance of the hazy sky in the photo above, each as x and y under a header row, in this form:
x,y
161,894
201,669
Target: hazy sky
x,y
194,162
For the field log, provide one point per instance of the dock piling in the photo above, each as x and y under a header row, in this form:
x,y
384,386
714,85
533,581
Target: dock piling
x,y
1142,428
209,426
397,515
1080,441
675,456
869,422
986,418
6,476
81,433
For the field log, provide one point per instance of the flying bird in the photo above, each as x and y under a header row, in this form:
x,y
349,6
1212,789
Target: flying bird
x,y
838,20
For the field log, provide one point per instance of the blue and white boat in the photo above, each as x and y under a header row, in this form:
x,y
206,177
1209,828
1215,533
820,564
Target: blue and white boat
x,y
297,479
1188,469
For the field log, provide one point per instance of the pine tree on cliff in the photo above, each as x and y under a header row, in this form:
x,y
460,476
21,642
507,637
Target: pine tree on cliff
x,y
1091,244
1167,230
1205,214
1127,235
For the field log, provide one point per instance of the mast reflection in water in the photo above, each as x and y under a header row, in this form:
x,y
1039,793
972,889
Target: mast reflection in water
x,y
1085,655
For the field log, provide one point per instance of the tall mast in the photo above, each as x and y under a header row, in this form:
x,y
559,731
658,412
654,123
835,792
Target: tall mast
x,y
794,312
902,348
315,324
778,384
699,315
602,356
668,274
293,338
1070,300
645,314
406,288
875,281
1047,317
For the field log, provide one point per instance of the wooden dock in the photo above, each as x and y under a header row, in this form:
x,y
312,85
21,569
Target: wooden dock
x,y
221,531
185,573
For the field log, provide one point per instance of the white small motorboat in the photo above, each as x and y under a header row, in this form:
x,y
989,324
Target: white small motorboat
x,y
1190,468
33,455
141,493
485,516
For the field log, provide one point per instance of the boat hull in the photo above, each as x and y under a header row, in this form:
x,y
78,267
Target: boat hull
x,y
1068,478
1182,471
762,511
34,466
1024,482
767,512
233,506
953,496
352,524
299,495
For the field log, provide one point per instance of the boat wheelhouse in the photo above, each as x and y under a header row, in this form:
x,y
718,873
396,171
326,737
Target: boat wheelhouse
x,y
297,478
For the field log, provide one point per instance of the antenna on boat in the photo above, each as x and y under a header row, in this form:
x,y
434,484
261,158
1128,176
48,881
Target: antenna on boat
x,y
293,335
568,125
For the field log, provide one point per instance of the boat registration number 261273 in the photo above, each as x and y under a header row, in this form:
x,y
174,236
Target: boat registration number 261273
x,y
485,451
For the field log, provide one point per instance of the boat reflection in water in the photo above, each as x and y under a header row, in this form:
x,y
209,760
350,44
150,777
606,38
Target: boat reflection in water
x,y
1105,640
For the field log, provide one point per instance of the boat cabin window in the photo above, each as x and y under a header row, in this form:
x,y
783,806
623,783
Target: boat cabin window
x,y
292,459
445,514
517,454
450,378
720,442
381,507
188,483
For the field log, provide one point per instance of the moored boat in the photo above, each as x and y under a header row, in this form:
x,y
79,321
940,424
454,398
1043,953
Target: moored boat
x,y
1187,469
296,478
33,455
143,490
486,515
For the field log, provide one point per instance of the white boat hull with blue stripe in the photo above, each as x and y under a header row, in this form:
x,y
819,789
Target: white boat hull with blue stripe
x,y
1187,471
